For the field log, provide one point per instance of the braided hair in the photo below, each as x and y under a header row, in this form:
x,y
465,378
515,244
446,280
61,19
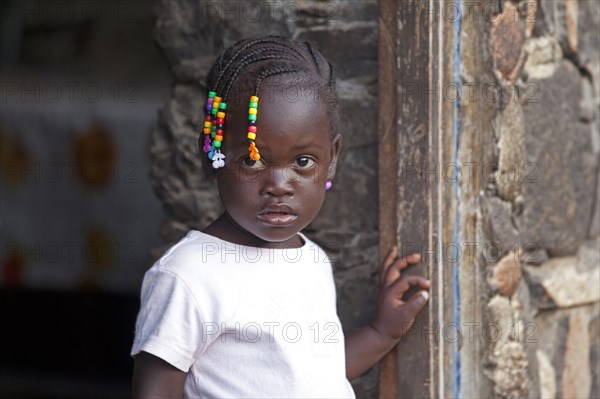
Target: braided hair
x,y
242,68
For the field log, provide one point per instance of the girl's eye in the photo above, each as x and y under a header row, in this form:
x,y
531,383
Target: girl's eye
x,y
251,163
304,162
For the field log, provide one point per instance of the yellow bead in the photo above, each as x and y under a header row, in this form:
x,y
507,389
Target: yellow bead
x,y
218,137
254,99
251,135
207,124
252,111
220,114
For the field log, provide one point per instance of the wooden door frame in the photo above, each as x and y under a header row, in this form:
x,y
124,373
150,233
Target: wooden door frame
x,y
418,137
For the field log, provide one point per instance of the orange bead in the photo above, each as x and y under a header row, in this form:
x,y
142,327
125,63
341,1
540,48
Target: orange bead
x,y
254,99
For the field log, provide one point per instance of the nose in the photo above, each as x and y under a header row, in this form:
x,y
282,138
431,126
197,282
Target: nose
x,y
279,182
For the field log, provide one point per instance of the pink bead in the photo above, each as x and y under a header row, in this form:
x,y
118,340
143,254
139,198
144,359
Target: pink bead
x,y
328,185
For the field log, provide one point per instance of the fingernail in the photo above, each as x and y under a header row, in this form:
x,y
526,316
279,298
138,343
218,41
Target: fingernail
x,y
424,296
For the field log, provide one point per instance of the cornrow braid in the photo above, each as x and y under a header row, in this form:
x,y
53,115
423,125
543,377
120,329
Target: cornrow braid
x,y
249,55
245,66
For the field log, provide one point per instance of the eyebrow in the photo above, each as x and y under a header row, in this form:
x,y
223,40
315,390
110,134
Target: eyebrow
x,y
305,146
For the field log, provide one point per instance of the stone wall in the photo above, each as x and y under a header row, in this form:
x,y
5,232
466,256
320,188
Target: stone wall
x,y
191,35
540,208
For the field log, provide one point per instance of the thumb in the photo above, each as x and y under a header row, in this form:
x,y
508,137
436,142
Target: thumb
x,y
417,302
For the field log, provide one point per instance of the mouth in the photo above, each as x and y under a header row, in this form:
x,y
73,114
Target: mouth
x,y
277,215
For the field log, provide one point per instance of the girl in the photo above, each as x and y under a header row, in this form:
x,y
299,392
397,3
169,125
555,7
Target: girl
x,y
246,308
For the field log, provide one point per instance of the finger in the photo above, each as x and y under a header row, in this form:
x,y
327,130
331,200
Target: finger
x,y
394,272
402,285
416,302
389,259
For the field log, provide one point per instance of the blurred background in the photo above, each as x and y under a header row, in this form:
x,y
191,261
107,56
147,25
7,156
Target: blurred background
x,y
81,83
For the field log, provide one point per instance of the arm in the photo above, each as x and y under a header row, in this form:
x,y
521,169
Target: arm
x,y
369,344
155,378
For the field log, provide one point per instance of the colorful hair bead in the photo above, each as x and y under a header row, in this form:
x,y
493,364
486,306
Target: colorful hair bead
x,y
252,113
214,119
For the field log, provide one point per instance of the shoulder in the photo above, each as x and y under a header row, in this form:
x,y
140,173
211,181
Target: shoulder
x,y
192,262
191,251
315,252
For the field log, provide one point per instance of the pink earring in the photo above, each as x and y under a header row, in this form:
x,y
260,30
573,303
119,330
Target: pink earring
x,y
328,185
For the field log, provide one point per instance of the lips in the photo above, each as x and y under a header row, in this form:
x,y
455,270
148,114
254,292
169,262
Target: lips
x,y
277,215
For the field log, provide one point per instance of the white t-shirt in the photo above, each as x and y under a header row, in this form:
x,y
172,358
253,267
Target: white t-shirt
x,y
245,322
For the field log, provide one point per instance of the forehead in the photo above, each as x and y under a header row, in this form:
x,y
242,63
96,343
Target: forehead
x,y
287,115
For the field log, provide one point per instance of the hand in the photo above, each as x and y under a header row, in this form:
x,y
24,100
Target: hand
x,y
394,315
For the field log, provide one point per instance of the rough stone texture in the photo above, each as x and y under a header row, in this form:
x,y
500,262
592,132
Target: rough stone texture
x,y
552,132
569,281
594,355
498,212
508,35
588,44
576,381
543,54
547,376
561,166
512,151
510,374
506,274
191,35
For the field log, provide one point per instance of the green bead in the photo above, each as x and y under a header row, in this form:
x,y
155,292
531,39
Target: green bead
x,y
212,94
253,104
214,111
213,134
251,117
222,106
216,143
213,128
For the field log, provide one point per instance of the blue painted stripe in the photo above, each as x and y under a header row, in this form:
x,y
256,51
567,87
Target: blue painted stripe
x,y
456,131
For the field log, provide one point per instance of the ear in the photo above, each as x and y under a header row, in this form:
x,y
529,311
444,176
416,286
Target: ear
x,y
209,171
334,152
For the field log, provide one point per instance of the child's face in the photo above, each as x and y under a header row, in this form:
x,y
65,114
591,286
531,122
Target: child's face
x,y
276,197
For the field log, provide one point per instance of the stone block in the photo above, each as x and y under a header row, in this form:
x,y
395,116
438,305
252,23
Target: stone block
x,y
543,55
567,281
507,37
559,175
565,341
500,313
498,213
506,274
547,375
594,334
512,151
510,375
588,47
360,61
576,381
